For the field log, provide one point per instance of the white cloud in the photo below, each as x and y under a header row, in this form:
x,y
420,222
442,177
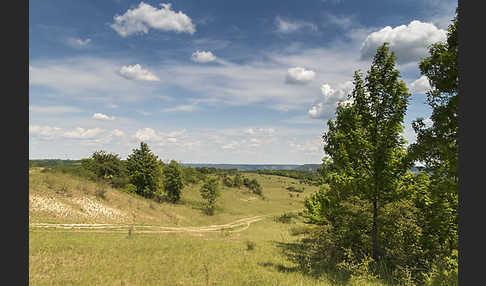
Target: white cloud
x,y
146,134
171,140
78,42
89,79
421,85
409,42
44,131
184,107
343,22
102,116
136,72
325,107
117,133
288,26
54,109
312,146
81,133
144,17
250,131
299,75
203,56
231,145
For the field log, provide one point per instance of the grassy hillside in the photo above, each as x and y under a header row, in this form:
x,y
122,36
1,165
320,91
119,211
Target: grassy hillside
x,y
249,255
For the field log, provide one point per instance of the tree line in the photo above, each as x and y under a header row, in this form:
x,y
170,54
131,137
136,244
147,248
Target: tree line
x,y
144,174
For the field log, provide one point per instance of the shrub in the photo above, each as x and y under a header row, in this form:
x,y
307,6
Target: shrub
x,y
250,245
300,229
210,192
172,181
130,188
105,165
285,218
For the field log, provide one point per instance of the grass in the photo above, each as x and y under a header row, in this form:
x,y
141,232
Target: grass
x,y
239,256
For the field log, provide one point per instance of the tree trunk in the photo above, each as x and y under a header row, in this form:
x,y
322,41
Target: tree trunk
x,y
375,231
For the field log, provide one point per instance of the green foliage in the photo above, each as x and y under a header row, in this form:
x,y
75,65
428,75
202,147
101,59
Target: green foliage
x,y
437,147
285,217
130,188
74,170
210,192
173,182
227,181
107,166
364,142
144,171
237,180
191,175
253,185
305,177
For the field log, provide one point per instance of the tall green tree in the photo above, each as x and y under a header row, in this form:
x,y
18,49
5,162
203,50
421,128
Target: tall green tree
x,y
365,142
436,145
210,192
173,181
144,170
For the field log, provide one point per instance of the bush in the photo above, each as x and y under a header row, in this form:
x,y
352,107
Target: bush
x,y
250,245
210,192
130,188
285,218
105,165
172,181
300,229
294,189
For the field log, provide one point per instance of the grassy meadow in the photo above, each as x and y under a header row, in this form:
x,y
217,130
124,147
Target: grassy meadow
x,y
250,255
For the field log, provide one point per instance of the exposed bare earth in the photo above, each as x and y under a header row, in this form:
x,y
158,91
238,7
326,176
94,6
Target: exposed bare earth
x,y
236,226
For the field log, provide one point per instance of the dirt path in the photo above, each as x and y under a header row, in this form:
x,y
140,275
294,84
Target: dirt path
x,y
236,226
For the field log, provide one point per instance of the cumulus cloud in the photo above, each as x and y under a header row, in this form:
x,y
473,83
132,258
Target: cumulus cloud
x,y
81,133
56,133
146,134
44,131
86,78
288,26
144,17
312,146
203,56
78,42
420,85
136,72
299,75
260,131
117,133
330,98
102,116
232,145
409,42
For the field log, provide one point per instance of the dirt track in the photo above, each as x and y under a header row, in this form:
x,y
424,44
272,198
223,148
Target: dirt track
x,y
236,226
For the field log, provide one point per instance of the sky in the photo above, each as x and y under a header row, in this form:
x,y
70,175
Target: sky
x,y
237,82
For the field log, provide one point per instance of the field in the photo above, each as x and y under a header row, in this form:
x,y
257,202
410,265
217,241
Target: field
x,y
82,233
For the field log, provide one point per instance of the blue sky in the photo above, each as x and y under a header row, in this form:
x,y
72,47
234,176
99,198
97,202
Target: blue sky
x,y
212,81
